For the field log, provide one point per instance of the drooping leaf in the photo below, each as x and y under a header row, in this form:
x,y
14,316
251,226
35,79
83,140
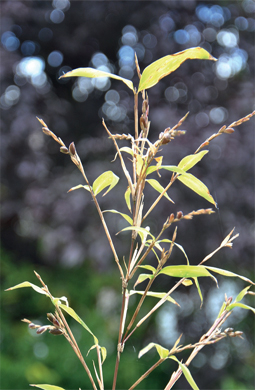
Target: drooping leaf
x,y
168,64
102,350
242,294
142,231
148,267
73,314
107,179
127,198
142,277
94,73
177,245
228,273
48,387
139,164
197,186
124,149
86,187
242,305
171,168
155,295
186,373
28,284
158,187
163,352
189,161
186,271
199,290
127,217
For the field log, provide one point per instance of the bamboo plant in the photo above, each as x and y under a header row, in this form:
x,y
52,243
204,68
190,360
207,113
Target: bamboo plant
x,y
146,160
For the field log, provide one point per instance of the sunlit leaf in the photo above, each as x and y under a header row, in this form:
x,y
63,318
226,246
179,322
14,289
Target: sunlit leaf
x,y
168,64
228,273
163,352
107,179
73,314
102,350
148,267
186,373
189,161
139,164
142,231
48,387
187,282
199,290
186,271
127,217
154,294
28,284
242,305
171,168
127,198
177,245
158,187
124,149
242,294
94,73
197,186
142,277
79,186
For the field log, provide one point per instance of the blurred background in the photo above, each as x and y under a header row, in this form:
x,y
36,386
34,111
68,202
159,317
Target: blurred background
x,y
59,235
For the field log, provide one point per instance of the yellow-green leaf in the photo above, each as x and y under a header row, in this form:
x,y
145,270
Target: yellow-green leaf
x,y
168,64
186,373
48,387
163,352
171,168
142,277
142,231
127,198
28,284
94,73
107,179
73,314
127,217
197,186
154,294
189,161
158,187
186,271
79,186
228,273
242,305
242,294
199,290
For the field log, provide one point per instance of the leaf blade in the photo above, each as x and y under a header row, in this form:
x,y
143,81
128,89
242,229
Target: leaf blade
x,y
197,186
107,179
189,161
94,73
168,64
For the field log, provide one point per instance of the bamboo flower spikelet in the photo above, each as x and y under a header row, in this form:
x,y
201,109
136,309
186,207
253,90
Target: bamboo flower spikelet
x,y
134,267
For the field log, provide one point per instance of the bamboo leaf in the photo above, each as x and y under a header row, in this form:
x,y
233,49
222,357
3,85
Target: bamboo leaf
x,y
86,187
73,314
158,187
142,277
189,161
186,373
142,231
178,246
148,267
199,290
168,64
242,294
107,179
228,273
197,186
125,216
94,73
28,284
48,387
171,168
242,305
187,282
127,198
186,271
163,352
155,295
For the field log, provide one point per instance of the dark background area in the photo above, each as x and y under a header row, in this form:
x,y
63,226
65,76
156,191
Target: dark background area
x,y
59,235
